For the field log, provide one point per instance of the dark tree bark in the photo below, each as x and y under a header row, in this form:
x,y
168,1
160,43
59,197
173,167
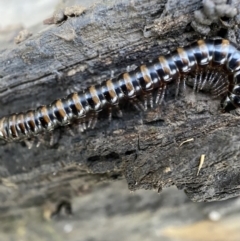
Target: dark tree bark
x,y
145,148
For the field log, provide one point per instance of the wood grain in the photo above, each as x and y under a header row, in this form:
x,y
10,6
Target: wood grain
x,y
143,148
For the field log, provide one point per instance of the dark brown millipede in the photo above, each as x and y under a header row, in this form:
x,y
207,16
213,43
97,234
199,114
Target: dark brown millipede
x,y
214,63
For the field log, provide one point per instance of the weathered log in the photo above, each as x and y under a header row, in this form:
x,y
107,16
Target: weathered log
x,y
145,148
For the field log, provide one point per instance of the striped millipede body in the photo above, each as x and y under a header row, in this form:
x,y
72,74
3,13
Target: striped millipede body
x,y
214,63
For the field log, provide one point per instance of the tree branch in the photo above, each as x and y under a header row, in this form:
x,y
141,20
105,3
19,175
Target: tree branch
x,y
145,148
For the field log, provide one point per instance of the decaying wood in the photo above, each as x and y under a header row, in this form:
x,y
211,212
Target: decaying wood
x,y
150,150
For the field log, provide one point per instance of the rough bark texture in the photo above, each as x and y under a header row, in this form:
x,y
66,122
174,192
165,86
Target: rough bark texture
x,y
144,148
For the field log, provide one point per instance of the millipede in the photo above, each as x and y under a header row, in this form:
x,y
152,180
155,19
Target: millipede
x,y
213,64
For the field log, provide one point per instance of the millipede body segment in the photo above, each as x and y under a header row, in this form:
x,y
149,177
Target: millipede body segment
x,y
215,64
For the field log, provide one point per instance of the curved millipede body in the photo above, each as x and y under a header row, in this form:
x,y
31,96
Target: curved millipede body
x,y
215,64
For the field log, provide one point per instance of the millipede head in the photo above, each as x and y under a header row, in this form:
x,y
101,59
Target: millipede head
x,y
227,105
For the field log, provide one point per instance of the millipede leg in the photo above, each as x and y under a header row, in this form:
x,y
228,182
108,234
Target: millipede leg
x,y
52,139
137,104
118,111
217,88
211,75
184,84
140,105
70,131
38,143
177,88
145,101
94,123
219,80
82,125
29,143
195,82
224,91
220,89
204,80
90,121
73,89
160,95
109,114
40,140
134,104
199,84
148,99
216,77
